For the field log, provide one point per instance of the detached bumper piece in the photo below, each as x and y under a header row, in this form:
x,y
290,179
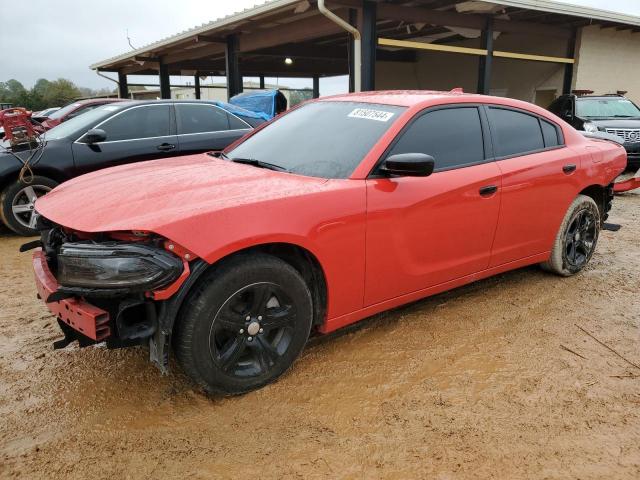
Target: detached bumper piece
x,y
74,315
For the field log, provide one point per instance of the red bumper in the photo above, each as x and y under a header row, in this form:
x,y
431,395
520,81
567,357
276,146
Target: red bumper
x,y
90,321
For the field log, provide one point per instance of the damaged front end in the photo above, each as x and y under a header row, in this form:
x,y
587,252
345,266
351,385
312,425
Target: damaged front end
x,y
121,288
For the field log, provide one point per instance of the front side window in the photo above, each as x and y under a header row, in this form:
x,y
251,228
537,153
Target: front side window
x,y
452,136
514,133
615,107
139,122
326,139
200,118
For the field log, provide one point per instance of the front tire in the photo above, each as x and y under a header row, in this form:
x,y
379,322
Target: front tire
x,y
244,324
577,238
17,204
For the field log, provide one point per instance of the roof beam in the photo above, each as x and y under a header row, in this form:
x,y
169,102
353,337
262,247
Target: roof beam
x,y
446,18
306,29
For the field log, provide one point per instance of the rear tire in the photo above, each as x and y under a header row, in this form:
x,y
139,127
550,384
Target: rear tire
x,y
16,204
576,239
244,324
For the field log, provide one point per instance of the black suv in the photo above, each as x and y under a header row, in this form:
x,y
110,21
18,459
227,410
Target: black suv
x,y
111,135
613,114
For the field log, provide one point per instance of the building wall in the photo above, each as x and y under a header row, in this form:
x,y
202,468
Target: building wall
x,y
607,61
525,80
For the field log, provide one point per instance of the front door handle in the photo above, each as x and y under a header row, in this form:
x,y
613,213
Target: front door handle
x,y
488,190
570,168
166,147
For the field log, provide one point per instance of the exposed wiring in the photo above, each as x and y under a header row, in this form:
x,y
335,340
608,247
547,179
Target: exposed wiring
x,y
26,174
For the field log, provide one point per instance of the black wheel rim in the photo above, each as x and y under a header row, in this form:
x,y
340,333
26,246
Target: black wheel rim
x,y
580,239
252,330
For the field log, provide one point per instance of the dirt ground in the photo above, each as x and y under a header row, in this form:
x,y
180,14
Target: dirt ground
x,y
475,383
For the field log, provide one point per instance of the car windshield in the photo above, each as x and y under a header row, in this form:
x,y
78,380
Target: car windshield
x,y
81,123
321,139
64,110
606,108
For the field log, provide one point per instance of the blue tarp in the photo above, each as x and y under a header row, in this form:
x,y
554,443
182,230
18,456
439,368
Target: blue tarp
x,y
260,101
242,112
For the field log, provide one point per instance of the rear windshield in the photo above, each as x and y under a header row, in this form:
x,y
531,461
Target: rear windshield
x,y
320,139
606,108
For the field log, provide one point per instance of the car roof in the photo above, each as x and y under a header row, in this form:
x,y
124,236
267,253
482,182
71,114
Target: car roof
x,y
403,98
89,101
172,100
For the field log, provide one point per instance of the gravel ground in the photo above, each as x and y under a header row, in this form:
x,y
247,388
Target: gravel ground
x,y
493,380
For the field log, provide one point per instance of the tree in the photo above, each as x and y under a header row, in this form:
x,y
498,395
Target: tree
x,y
61,92
45,93
12,91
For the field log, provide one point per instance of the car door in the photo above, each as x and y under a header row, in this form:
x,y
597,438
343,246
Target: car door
x,y
424,231
204,127
538,182
142,132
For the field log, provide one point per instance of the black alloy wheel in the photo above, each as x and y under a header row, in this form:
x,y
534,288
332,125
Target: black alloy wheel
x,y
580,239
244,324
252,329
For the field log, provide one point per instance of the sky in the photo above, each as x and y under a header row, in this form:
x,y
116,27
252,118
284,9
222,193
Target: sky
x,y
61,38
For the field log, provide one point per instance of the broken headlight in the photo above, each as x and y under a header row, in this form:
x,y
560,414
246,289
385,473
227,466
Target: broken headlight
x,y
136,267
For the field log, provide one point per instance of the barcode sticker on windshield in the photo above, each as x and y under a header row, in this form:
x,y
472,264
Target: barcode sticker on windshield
x,y
369,114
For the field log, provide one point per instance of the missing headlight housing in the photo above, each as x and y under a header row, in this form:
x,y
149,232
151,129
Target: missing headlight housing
x,y
115,265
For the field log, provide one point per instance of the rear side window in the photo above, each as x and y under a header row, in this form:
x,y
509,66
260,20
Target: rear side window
x,y
514,133
139,122
550,134
200,118
235,123
452,136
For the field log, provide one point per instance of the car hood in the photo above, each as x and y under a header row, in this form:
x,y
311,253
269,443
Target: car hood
x,y
617,123
154,195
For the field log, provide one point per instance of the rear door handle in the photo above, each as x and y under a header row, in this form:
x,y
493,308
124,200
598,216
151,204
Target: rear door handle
x,y
166,146
488,190
569,168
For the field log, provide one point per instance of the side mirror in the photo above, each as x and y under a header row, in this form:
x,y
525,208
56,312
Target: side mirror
x,y
95,135
408,165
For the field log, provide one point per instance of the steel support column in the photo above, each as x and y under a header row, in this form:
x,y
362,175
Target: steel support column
x,y
567,82
261,82
234,79
123,87
486,62
316,86
353,20
196,84
165,86
369,45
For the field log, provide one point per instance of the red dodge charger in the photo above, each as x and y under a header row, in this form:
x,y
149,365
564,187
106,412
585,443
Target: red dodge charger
x,y
341,208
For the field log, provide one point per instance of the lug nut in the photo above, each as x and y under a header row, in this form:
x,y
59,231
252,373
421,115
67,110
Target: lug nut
x,y
259,317
241,330
248,318
250,338
261,330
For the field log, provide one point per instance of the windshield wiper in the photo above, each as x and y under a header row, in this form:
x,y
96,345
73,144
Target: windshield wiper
x,y
259,163
218,155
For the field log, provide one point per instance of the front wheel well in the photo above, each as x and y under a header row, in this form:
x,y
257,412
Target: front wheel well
x,y
307,265
299,258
